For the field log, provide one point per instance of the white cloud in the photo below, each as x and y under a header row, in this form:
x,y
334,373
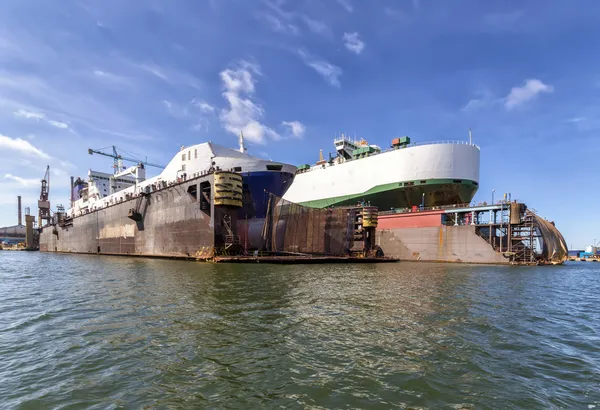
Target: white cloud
x,y
198,112
475,104
21,146
484,99
519,95
353,42
204,106
180,111
587,122
154,70
28,182
30,115
58,124
346,4
280,26
284,21
201,125
240,80
175,110
330,72
296,127
243,114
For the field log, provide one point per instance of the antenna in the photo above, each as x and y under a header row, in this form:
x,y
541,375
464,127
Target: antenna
x,y
470,137
242,147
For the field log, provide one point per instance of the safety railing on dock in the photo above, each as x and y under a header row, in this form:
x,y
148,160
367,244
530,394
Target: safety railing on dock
x,y
424,209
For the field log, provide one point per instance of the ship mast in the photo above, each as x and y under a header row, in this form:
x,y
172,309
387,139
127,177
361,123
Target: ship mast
x,y
242,147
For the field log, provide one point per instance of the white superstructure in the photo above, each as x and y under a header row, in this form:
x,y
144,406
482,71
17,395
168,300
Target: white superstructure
x,y
106,189
391,169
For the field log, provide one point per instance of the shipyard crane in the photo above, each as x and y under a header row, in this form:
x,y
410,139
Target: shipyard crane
x,y
43,202
118,158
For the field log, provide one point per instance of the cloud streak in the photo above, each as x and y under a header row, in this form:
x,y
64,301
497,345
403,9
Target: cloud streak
x,y
346,5
111,78
37,116
330,72
167,74
290,21
22,146
27,182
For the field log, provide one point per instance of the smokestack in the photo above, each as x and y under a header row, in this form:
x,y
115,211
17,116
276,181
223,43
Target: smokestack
x,y
20,214
72,186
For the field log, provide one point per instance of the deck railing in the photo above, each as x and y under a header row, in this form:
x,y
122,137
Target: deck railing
x,y
414,144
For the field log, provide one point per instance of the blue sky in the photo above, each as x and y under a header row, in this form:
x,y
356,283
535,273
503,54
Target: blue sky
x,y
149,76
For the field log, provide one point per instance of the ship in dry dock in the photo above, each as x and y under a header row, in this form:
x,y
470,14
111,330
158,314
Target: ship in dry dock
x,y
423,193
215,203
189,210
204,206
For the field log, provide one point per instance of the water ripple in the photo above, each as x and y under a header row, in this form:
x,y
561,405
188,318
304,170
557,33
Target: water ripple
x,y
101,332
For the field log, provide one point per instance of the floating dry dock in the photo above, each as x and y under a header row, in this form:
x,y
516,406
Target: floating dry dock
x,y
196,219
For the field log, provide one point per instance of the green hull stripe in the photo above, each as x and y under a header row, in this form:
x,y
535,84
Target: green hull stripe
x,y
323,203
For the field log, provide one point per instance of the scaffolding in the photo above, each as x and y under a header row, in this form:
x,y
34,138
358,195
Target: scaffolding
x,y
514,231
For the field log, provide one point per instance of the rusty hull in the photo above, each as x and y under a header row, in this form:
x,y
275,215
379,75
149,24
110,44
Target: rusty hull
x,y
172,225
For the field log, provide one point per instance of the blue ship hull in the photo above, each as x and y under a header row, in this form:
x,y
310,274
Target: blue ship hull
x,y
257,186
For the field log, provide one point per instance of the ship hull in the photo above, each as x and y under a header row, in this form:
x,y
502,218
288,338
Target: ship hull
x,y
392,196
172,225
257,186
446,173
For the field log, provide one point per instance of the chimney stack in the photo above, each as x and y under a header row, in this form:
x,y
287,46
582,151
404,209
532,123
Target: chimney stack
x,y
20,214
72,186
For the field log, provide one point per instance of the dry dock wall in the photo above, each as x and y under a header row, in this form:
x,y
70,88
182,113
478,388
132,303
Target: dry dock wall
x,y
173,226
441,244
422,237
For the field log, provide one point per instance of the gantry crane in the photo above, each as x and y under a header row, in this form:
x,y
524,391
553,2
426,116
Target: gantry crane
x,y
43,202
118,158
